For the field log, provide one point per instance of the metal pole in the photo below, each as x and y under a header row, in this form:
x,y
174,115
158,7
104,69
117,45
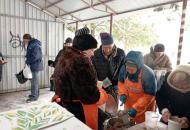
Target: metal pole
x,y
77,24
111,23
181,31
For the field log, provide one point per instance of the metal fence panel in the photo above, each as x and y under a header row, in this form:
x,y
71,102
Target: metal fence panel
x,y
48,32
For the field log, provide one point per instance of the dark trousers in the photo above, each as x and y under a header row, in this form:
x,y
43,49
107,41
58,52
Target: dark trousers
x,y
52,86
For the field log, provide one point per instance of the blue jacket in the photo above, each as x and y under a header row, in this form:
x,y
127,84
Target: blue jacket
x,y
34,55
148,77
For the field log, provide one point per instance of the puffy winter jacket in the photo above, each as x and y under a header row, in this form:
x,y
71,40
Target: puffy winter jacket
x,y
34,55
108,67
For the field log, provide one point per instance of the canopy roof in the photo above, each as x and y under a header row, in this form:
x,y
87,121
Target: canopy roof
x,y
83,10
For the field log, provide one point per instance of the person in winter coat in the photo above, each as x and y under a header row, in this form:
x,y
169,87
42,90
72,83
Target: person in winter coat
x,y
159,62
173,98
157,59
108,60
2,61
137,86
35,62
67,43
76,81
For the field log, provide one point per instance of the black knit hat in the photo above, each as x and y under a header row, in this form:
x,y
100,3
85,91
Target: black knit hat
x,y
83,40
159,48
82,31
69,40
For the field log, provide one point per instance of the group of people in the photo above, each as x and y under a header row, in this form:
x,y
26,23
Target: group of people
x,y
129,78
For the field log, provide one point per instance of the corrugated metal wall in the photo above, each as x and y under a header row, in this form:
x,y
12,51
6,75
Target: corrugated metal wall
x,y
20,18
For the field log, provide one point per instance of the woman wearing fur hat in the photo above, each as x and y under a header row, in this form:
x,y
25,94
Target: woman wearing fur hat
x,y
157,59
76,82
173,99
137,86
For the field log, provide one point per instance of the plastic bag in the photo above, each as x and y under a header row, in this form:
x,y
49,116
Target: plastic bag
x,y
106,82
27,72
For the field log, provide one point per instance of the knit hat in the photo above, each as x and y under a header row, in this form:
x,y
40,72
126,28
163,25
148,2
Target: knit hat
x,y
159,48
82,31
68,40
83,40
106,38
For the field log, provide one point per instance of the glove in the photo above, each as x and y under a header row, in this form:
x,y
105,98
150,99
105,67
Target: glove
x,y
123,99
132,112
115,88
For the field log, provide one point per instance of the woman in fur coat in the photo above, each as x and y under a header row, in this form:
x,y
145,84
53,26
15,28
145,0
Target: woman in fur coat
x,y
76,82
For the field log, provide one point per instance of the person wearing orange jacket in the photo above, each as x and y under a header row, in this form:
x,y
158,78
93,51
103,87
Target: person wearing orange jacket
x,y
76,81
137,86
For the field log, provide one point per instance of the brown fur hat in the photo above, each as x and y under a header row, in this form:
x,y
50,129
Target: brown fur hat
x,y
75,77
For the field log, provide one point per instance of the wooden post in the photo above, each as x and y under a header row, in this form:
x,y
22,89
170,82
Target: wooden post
x,y
111,23
181,31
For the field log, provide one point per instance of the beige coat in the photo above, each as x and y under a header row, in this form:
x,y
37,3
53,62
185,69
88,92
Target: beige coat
x,y
157,63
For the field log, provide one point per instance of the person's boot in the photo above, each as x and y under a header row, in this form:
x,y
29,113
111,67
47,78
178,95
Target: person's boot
x,y
31,100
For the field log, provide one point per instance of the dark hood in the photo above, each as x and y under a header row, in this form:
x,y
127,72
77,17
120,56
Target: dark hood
x,y
136,57
35,42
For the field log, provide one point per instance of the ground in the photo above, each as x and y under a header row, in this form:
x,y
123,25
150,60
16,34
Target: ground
x,y
15,100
